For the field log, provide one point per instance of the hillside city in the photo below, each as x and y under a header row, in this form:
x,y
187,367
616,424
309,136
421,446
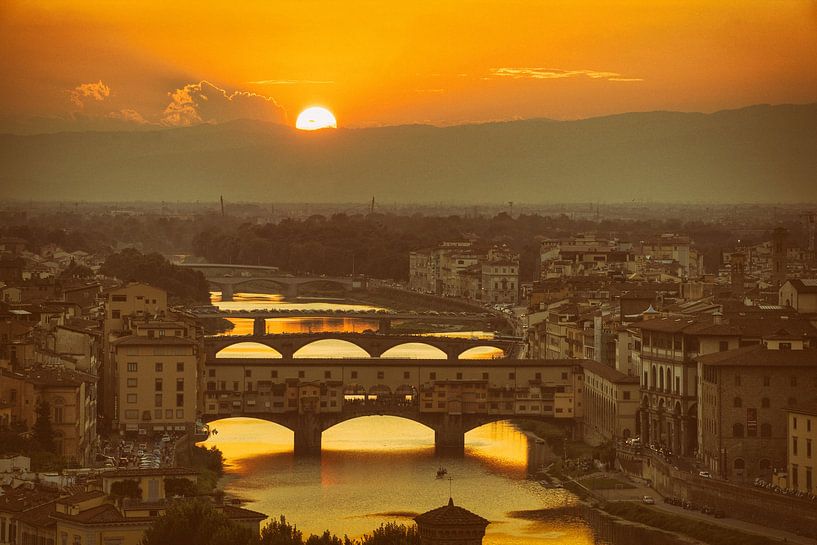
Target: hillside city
x,y
677,364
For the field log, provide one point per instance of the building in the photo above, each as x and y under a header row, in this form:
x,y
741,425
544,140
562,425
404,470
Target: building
x,y
744,395
450,525
802,441
664,352
610,403
96,515
799,294
71,397
155,375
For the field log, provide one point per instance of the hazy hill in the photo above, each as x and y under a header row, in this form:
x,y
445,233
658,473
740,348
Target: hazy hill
x,y
761,153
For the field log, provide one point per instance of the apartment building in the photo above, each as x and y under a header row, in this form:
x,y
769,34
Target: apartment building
x,y
801,443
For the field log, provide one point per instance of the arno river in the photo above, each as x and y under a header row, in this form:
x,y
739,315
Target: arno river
x,y
378,469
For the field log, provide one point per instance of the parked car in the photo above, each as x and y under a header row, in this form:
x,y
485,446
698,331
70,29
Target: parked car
x,y
705,474
648,500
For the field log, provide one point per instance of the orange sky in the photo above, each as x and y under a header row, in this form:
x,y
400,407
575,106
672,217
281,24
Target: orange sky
x,y
381,62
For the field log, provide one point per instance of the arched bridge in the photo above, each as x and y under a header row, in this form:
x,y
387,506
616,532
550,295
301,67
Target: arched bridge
x,y
450,397
373,344
229,277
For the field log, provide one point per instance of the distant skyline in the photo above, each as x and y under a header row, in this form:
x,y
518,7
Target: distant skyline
x,y
83,64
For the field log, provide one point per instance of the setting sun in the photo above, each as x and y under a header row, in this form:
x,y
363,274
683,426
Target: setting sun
x,y
316,118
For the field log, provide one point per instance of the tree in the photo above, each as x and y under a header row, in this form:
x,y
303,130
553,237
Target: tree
x,y
43,431
280,532
180,487
393,534
196,522
126,489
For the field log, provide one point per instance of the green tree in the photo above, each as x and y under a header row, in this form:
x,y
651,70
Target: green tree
x,y
280,532
180,487
43,431
126,489
196,522
393,534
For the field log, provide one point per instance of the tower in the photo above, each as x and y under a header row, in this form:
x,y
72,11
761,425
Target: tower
x,y
737,273
778,257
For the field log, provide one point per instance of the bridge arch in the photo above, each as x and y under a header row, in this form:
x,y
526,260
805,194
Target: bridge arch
x,y
248,349
408,350
482,352
331,348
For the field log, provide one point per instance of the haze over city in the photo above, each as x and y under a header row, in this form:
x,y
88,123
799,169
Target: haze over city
x,y
471,272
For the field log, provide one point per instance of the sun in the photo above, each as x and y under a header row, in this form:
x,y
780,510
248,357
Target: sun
x,y
315,118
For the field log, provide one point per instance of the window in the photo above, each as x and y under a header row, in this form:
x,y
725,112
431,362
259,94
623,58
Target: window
x,y
538,376
180,385
158,385
737,380
301,374
795,476
157,414
808,478
119,298
132,382
380,374
159,367
738,402
180,367
406,374
131,398
737,430
157,400
765,430
327,374
179,413
625,395
784,346
273,374
794,446
116,314
131,414
808,448
764,403
511,376
180,400
248,373
739,463
767,381
133,367
432,376
459,376
793,381
564,376
211,372
794,423
723,346
484,376
354,374
235,385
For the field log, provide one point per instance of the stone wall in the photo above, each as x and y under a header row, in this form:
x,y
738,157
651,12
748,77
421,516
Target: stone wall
x,y
737,501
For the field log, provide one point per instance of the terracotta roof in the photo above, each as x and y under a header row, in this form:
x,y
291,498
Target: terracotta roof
x,y
103,514
608,373
451,515
239,513
80,497
141,339
760,356
807,285
20,499
39,516
809,408
57,376
689,325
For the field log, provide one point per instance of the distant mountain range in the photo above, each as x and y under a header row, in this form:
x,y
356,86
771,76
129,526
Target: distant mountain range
x,y
755,154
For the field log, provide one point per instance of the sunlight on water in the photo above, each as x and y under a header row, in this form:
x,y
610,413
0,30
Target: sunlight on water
x,y
376,469
275,301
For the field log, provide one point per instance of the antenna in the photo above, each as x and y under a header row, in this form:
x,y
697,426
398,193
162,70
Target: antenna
x,y
371,209
450,480
221,198
510,205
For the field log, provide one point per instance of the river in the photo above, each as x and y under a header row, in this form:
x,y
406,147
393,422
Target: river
x,y
378,469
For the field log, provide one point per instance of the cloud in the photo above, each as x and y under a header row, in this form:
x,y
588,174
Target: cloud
x,y
554,73
129,115
94,91
204,102
291,82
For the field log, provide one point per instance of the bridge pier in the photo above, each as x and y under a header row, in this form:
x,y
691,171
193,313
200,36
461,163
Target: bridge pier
x,y
449,435
227,292
259,326
383,325
308,431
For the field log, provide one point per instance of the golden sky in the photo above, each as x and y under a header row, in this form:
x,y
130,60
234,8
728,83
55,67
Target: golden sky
x,y
389,62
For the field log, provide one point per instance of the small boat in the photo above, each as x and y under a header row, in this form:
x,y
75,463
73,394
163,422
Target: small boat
x,y
441,472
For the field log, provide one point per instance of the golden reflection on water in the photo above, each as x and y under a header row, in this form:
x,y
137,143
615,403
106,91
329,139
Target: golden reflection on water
x,y
376,469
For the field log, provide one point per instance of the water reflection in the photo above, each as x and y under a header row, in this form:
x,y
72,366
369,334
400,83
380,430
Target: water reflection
x,y
376,469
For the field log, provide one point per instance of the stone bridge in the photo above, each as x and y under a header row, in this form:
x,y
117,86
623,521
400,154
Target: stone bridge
x,y
309,396
228,277
373,344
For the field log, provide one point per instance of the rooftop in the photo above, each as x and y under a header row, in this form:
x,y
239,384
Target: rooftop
x,y
451,515
760,356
